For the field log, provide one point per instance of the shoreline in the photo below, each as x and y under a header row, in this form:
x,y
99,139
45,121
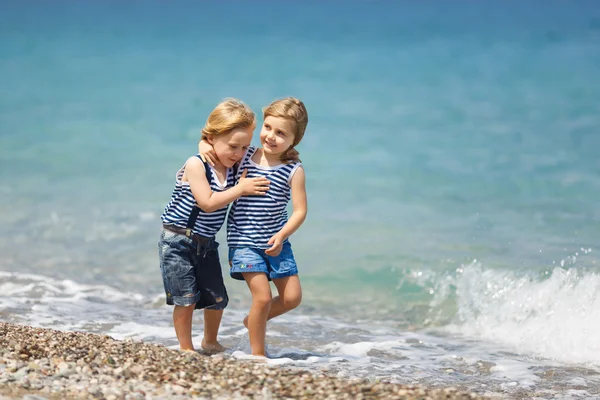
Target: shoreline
x,y
57,364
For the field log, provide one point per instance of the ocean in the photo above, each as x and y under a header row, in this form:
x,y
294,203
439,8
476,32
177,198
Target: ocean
x,y
452,162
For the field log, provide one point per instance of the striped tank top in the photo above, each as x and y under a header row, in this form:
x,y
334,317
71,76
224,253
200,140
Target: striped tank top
x,y
254,219
179,208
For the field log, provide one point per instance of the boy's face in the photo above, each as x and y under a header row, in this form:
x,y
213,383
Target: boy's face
x,y
276,135
230,148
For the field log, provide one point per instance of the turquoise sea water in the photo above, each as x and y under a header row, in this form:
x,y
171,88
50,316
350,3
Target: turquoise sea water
x,y
451,157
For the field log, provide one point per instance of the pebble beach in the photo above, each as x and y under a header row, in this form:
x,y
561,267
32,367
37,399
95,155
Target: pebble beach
x,y
38,363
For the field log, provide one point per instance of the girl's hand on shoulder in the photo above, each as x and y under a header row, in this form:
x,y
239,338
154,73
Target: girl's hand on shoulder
x,y
253,186
207,153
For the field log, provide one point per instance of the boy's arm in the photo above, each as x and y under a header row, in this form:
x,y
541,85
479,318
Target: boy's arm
x,y
300,208
210,201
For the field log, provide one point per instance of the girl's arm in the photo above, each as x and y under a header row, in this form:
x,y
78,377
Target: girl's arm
x,y
299,205
210,201
207,152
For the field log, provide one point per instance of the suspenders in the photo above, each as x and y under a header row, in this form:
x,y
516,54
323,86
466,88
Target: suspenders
x,y
196,210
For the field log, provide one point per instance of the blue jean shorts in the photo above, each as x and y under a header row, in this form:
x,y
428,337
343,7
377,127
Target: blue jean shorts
x,y
252,259
191,273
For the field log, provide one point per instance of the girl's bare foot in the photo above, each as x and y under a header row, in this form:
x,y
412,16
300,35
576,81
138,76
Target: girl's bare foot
x,y
259,358
212,348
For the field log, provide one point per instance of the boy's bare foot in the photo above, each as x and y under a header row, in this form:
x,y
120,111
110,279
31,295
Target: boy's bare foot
x,y
212,348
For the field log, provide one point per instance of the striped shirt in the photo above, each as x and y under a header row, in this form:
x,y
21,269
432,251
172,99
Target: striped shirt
x,y
253,220
179,208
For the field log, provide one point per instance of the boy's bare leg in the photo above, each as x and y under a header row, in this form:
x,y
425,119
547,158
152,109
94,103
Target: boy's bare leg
x,y
290,296
212,322
259,311
182,321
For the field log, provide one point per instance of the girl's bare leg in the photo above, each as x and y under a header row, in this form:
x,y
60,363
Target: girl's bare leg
x,y
259,311
290,296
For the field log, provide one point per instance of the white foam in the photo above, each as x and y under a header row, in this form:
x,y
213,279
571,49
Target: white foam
x,y
556,317
140,331
358,350
65,304
22,285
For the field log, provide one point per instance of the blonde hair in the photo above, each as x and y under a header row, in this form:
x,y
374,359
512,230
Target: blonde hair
x,y
228,115
291,109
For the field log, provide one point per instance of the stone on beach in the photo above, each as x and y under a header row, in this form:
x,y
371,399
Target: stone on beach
x,y
56,364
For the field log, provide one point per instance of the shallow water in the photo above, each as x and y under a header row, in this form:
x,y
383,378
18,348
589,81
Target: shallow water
x,y
452,164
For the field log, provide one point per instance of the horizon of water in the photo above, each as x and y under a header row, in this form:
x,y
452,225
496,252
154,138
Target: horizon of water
x,y
452,176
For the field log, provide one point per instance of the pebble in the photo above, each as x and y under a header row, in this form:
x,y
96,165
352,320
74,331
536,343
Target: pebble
x,y
84,365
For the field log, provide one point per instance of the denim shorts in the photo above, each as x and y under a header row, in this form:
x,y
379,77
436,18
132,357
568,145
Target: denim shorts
x,y
191,273
252,259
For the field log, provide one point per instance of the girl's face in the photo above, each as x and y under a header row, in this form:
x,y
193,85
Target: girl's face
x,y
277,135
230,148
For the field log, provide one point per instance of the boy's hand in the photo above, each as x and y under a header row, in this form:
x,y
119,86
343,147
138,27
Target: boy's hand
x,y
207,153
277,245
250,186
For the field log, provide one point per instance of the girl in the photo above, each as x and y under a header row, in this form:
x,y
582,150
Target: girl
x,y
258,228
189,261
